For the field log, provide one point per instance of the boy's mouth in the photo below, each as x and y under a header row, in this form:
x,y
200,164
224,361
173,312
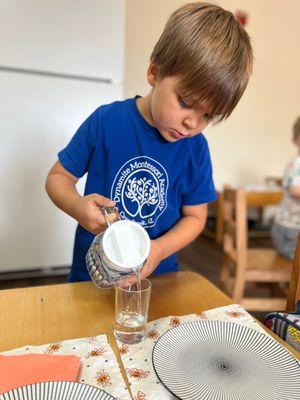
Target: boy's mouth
x,y
177,134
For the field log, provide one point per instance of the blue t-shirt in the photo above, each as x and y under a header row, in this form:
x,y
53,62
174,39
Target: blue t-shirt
x,y
150,179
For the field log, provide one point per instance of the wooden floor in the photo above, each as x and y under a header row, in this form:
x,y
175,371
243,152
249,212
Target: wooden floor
x,y
203,256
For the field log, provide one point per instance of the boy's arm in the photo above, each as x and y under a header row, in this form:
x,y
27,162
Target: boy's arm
x,y
294,188
295,191
61,188
184,232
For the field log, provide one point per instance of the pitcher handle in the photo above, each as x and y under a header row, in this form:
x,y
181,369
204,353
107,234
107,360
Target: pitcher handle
x,y
111,214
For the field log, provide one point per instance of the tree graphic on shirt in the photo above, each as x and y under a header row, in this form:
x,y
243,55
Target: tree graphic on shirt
x,y
144,192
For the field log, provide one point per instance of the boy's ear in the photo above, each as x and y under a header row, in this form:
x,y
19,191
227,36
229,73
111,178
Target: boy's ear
x,y
296,140
152,74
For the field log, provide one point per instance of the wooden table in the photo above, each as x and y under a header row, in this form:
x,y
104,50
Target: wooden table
x,y
44,314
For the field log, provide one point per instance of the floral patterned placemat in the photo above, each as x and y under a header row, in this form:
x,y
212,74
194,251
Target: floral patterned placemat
x,y
99,366
137,358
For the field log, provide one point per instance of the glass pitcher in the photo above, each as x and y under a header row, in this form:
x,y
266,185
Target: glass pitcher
x,y
120,250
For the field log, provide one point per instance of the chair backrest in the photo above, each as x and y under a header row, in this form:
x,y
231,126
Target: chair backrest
x,y
262,199
293,300
235,226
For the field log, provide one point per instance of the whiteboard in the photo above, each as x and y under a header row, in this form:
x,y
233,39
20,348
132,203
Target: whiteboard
x,y
38,116
67,36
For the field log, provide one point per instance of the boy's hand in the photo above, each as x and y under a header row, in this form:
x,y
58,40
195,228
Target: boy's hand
x,y
88,214
152,262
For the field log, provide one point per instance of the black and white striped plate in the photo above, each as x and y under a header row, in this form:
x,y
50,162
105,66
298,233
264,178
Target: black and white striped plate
x,y
57,391
225,361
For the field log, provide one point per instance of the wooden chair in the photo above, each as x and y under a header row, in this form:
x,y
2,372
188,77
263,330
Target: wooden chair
x,y
241,265
260,200
293,300
257,200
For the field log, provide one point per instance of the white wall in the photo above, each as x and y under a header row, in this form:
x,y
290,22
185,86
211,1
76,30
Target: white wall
x,y
255,141
73,36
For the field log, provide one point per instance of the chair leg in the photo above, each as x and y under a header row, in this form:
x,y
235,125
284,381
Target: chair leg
x,y
224,273
238,288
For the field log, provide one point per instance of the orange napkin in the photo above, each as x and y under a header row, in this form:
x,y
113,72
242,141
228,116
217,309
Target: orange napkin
x,y
20,370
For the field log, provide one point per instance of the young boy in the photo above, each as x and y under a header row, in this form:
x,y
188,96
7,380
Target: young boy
x,y
148,155
286,227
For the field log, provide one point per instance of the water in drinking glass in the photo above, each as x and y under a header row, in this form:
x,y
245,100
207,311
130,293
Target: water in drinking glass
x,y
130,327
132,303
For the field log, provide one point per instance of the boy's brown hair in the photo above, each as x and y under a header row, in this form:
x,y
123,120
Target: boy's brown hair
x,y
296,129
211,53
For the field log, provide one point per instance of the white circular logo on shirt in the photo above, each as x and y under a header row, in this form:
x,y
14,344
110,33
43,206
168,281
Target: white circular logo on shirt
x,y
140,190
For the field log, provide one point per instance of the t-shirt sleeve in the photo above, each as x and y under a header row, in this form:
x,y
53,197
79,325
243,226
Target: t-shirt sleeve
x,y
199,184
291,175
76,156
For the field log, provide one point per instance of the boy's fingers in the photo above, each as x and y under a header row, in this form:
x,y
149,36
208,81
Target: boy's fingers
x,y
125,282
100,221
103,201
146,271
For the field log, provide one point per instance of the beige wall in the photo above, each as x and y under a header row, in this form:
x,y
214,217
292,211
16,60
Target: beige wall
x,y
255,141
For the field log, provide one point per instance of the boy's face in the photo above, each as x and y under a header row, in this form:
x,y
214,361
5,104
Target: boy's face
x,y
174,116
296,141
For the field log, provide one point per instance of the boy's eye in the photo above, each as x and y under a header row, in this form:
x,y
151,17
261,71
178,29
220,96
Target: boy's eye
x,y
207,117
183,103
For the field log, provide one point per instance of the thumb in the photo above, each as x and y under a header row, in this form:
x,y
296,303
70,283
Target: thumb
x,y
102,201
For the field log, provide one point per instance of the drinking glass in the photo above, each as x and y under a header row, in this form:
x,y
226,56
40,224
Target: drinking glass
x,y
131,310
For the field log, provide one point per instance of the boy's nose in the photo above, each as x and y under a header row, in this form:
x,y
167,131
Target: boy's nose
x,y
190,123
